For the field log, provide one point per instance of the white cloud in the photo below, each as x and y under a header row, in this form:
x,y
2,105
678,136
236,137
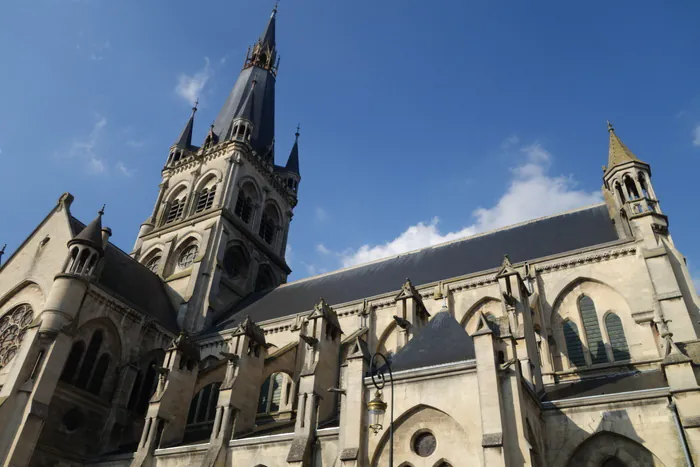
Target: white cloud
x,y
321,214
84,149
124,170
696,135
190,87
322,249
532,193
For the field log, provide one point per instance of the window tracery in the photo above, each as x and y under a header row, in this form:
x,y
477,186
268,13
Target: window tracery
x,y
188,256
154,263
13,327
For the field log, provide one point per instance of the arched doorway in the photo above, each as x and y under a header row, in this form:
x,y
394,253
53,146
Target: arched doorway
x,y
612,450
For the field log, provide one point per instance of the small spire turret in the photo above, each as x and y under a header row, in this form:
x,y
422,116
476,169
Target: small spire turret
x,y
185,139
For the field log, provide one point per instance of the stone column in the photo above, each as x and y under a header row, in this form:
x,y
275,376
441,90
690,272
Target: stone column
x,y
354,408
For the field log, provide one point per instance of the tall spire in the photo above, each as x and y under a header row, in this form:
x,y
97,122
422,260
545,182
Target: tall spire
x,y
260,67
246,109
268,36
293,160
618,153
185,139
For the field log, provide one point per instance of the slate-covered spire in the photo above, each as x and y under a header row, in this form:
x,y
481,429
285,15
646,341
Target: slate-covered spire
x,y
259,71
293,160
185,139
618,153
92,234
247,109
268,36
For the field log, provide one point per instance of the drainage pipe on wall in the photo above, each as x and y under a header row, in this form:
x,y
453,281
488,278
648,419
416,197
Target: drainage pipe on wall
x,y
681,435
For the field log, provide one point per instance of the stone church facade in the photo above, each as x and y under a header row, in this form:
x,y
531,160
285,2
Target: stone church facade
x,y
570,340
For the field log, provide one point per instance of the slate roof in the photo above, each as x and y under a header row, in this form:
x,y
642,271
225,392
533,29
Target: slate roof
x,y
610,384
293,160
185,139
441,341
132,282
543,237
92,234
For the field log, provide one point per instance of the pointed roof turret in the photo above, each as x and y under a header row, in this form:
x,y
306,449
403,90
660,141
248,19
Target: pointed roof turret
x,y
293,160
618,153
268,36
92,234
185,139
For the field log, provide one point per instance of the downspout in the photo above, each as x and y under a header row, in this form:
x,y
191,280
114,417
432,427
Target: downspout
x,y
681,435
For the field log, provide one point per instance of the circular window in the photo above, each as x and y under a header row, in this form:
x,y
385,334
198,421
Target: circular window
x,y
72,420
187,257
424,444
153,264
13,326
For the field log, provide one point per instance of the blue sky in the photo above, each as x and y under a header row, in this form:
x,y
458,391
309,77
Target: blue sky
x,y
420,121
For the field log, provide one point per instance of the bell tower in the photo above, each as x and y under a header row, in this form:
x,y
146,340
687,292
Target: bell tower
x,y
630,194
637,214
218,230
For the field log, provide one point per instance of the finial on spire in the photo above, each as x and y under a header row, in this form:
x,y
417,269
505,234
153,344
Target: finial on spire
x,y
101,212
297,133
196,104
277,4
610,126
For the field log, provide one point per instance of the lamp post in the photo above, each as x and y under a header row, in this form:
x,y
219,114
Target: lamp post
x,y
377,406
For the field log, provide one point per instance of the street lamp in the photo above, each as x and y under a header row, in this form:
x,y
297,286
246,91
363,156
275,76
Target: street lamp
x,y
377,407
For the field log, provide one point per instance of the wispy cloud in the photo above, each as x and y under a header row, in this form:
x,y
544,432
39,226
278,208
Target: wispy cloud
x,y
96,51
124,170
321,248
531,193
696,135
189,87
85,148
136,144
321,214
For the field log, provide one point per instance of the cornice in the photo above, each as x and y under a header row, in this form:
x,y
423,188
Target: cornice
x,y
587,259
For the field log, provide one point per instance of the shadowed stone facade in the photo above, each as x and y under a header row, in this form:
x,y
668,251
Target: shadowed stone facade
x,y
570,340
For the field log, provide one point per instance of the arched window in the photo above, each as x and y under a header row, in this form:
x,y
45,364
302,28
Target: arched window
x,y
613,462
596,346
177,206
154,263
574,347
236,262
76,353
631,188
89,360
13,326
616,335
147,389
265,280
244,207
643,185
98,375
271,394
206,199
203,405
268,224
443,464
134,396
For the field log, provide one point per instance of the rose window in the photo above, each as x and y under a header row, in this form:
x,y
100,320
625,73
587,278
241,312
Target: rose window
x,y
13,326
187,257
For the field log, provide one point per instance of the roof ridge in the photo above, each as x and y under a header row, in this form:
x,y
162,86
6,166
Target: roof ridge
x,y
449,242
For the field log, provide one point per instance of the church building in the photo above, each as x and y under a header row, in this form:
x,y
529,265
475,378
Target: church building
x,y
567,341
